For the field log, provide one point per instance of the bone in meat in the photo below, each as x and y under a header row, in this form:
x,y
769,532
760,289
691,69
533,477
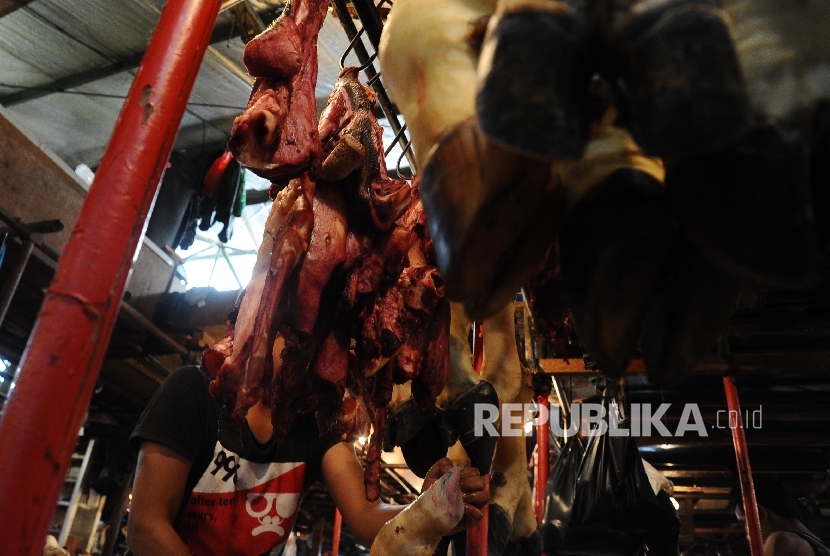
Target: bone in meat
x,y
276,137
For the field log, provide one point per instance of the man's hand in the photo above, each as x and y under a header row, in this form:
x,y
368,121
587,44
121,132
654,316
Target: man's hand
x,y
472,488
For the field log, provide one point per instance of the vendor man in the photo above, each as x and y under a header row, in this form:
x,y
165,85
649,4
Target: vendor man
x,y
208,486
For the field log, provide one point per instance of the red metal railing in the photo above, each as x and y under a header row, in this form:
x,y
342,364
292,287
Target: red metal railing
x,y
753,523
41,419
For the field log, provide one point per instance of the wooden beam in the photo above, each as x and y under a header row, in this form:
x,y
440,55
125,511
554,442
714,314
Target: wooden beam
x,y
803,361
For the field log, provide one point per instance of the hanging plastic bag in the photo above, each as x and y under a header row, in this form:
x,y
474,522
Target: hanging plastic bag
x,y
559,495
614,498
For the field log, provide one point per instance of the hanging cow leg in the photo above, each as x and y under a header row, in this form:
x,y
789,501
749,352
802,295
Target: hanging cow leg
x,y
511,502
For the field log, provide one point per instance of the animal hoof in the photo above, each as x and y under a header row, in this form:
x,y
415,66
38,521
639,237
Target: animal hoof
x,y
405,421
499,529
748,207
424,448
613,249
678,72
691,311
533,74
491,215
480,447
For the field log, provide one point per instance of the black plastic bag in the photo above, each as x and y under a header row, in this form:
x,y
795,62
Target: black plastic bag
x,y
613,498
559,495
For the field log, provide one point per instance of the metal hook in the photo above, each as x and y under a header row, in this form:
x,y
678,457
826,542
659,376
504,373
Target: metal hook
x,y
372,80
395,140
349,48
398,164
368,62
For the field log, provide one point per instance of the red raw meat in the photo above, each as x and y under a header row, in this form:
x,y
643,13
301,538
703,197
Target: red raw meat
x,y
276,137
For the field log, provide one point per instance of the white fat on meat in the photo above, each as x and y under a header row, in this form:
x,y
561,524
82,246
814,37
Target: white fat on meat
x,y
418,529
784,52
428,65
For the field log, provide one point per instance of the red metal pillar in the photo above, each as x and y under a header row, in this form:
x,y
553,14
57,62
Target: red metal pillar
x,y
542,463
478,346
753,523
40,423
477,536
335,537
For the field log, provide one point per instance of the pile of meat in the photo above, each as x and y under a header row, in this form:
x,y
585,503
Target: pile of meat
x,y
345,300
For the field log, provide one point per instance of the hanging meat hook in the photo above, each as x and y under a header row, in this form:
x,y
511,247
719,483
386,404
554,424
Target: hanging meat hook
x,y
396,139
350,47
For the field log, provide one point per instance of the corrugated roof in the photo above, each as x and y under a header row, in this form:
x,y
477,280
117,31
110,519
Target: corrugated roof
x,y
49,44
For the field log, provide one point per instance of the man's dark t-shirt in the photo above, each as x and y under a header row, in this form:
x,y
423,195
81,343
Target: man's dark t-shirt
x,y
243,496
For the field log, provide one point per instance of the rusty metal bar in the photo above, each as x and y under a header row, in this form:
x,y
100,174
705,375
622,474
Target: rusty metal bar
x,y
753,523
477,536
61,363
15,275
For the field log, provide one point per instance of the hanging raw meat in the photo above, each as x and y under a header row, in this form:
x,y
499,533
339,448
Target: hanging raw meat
x,y
353,153
239,383
276,137
346,261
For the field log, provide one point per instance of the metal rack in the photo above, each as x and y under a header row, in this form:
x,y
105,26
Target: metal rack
x,y
371,27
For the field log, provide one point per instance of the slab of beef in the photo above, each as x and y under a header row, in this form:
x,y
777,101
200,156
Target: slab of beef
x,y
214,357
276,137
240,381
345,298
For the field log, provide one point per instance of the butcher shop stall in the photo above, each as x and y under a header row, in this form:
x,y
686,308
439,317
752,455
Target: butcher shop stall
x,y
578,248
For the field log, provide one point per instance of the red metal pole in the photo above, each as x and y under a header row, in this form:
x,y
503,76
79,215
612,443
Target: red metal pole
x,y
478,346
335,537
753,523
40,421
542,463
477,536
